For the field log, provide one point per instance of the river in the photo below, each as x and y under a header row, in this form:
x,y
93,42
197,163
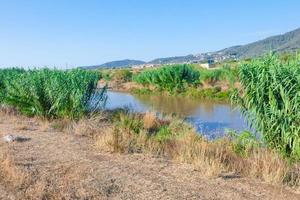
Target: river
x,y
210,118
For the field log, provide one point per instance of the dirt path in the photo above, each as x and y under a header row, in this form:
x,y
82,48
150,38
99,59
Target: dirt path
x,y
66,166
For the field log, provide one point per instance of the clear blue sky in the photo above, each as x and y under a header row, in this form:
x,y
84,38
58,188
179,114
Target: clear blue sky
x,y
77,32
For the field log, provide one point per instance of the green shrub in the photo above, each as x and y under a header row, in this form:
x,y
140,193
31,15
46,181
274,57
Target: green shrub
x,y
106,76
163,134
243,143
122,75
129,122
226,73
53,93
174,78
209,93
270,100
142,91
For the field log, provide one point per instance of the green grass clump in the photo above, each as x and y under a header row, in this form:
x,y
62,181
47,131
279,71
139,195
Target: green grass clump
x,y
134,132
52,93
270,100
142,91
225,73
214,93
6,76
124,75
164,134
129,123
119,75
106,75
174,78
243,143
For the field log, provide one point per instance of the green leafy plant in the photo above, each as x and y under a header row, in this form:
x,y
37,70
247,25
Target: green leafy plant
x,y
122,75
270,100
52,93
214,93
225,73
244,142
5,76
163,134
129,122
174,78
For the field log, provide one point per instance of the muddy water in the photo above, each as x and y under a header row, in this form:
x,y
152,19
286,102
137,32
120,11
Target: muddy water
x,y
211,119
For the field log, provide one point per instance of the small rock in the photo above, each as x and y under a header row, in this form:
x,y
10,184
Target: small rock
x,y
14,138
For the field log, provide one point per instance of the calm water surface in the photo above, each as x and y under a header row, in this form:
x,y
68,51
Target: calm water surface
x,y
209,118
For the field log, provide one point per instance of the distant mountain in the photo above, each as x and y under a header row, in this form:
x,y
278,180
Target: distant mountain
x,y
287,42
116,64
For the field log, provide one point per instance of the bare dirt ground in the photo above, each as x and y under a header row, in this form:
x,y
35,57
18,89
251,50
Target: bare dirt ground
x,y
65,166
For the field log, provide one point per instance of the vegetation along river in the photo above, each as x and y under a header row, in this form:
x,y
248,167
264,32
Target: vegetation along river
x,y
211,119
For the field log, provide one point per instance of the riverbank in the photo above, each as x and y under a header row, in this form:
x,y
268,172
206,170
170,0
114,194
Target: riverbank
x,y
210,118
67,160
176,80
220,93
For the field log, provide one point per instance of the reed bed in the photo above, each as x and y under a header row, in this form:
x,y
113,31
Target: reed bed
x,y
174,78
269,98
51,93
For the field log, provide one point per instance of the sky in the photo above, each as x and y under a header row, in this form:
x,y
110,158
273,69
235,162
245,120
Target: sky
x,y
69,33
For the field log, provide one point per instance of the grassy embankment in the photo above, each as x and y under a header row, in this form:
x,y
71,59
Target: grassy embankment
x,y
183,80
269,98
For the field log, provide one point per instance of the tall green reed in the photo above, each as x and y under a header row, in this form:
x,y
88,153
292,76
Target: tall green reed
x,y
270,100
51,93
173,78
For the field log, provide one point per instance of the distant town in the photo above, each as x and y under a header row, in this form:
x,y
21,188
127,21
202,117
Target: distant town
x,y
280,43
205,60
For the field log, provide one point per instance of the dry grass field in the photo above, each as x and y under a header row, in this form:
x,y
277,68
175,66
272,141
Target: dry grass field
x,y
67,164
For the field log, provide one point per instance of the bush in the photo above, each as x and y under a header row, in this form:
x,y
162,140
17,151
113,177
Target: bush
x,y
163,134
106,75
52,93
243,143
175,78
226,73
270,100
123,75
214,93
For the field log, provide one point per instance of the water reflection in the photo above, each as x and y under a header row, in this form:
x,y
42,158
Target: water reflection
x,y
209,118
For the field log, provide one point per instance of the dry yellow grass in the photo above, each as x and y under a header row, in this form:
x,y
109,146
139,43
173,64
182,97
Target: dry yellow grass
x,y
267,165
150,121
40,185
212,158
58,165
9,172
7,110
104,141
62,125
89,126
